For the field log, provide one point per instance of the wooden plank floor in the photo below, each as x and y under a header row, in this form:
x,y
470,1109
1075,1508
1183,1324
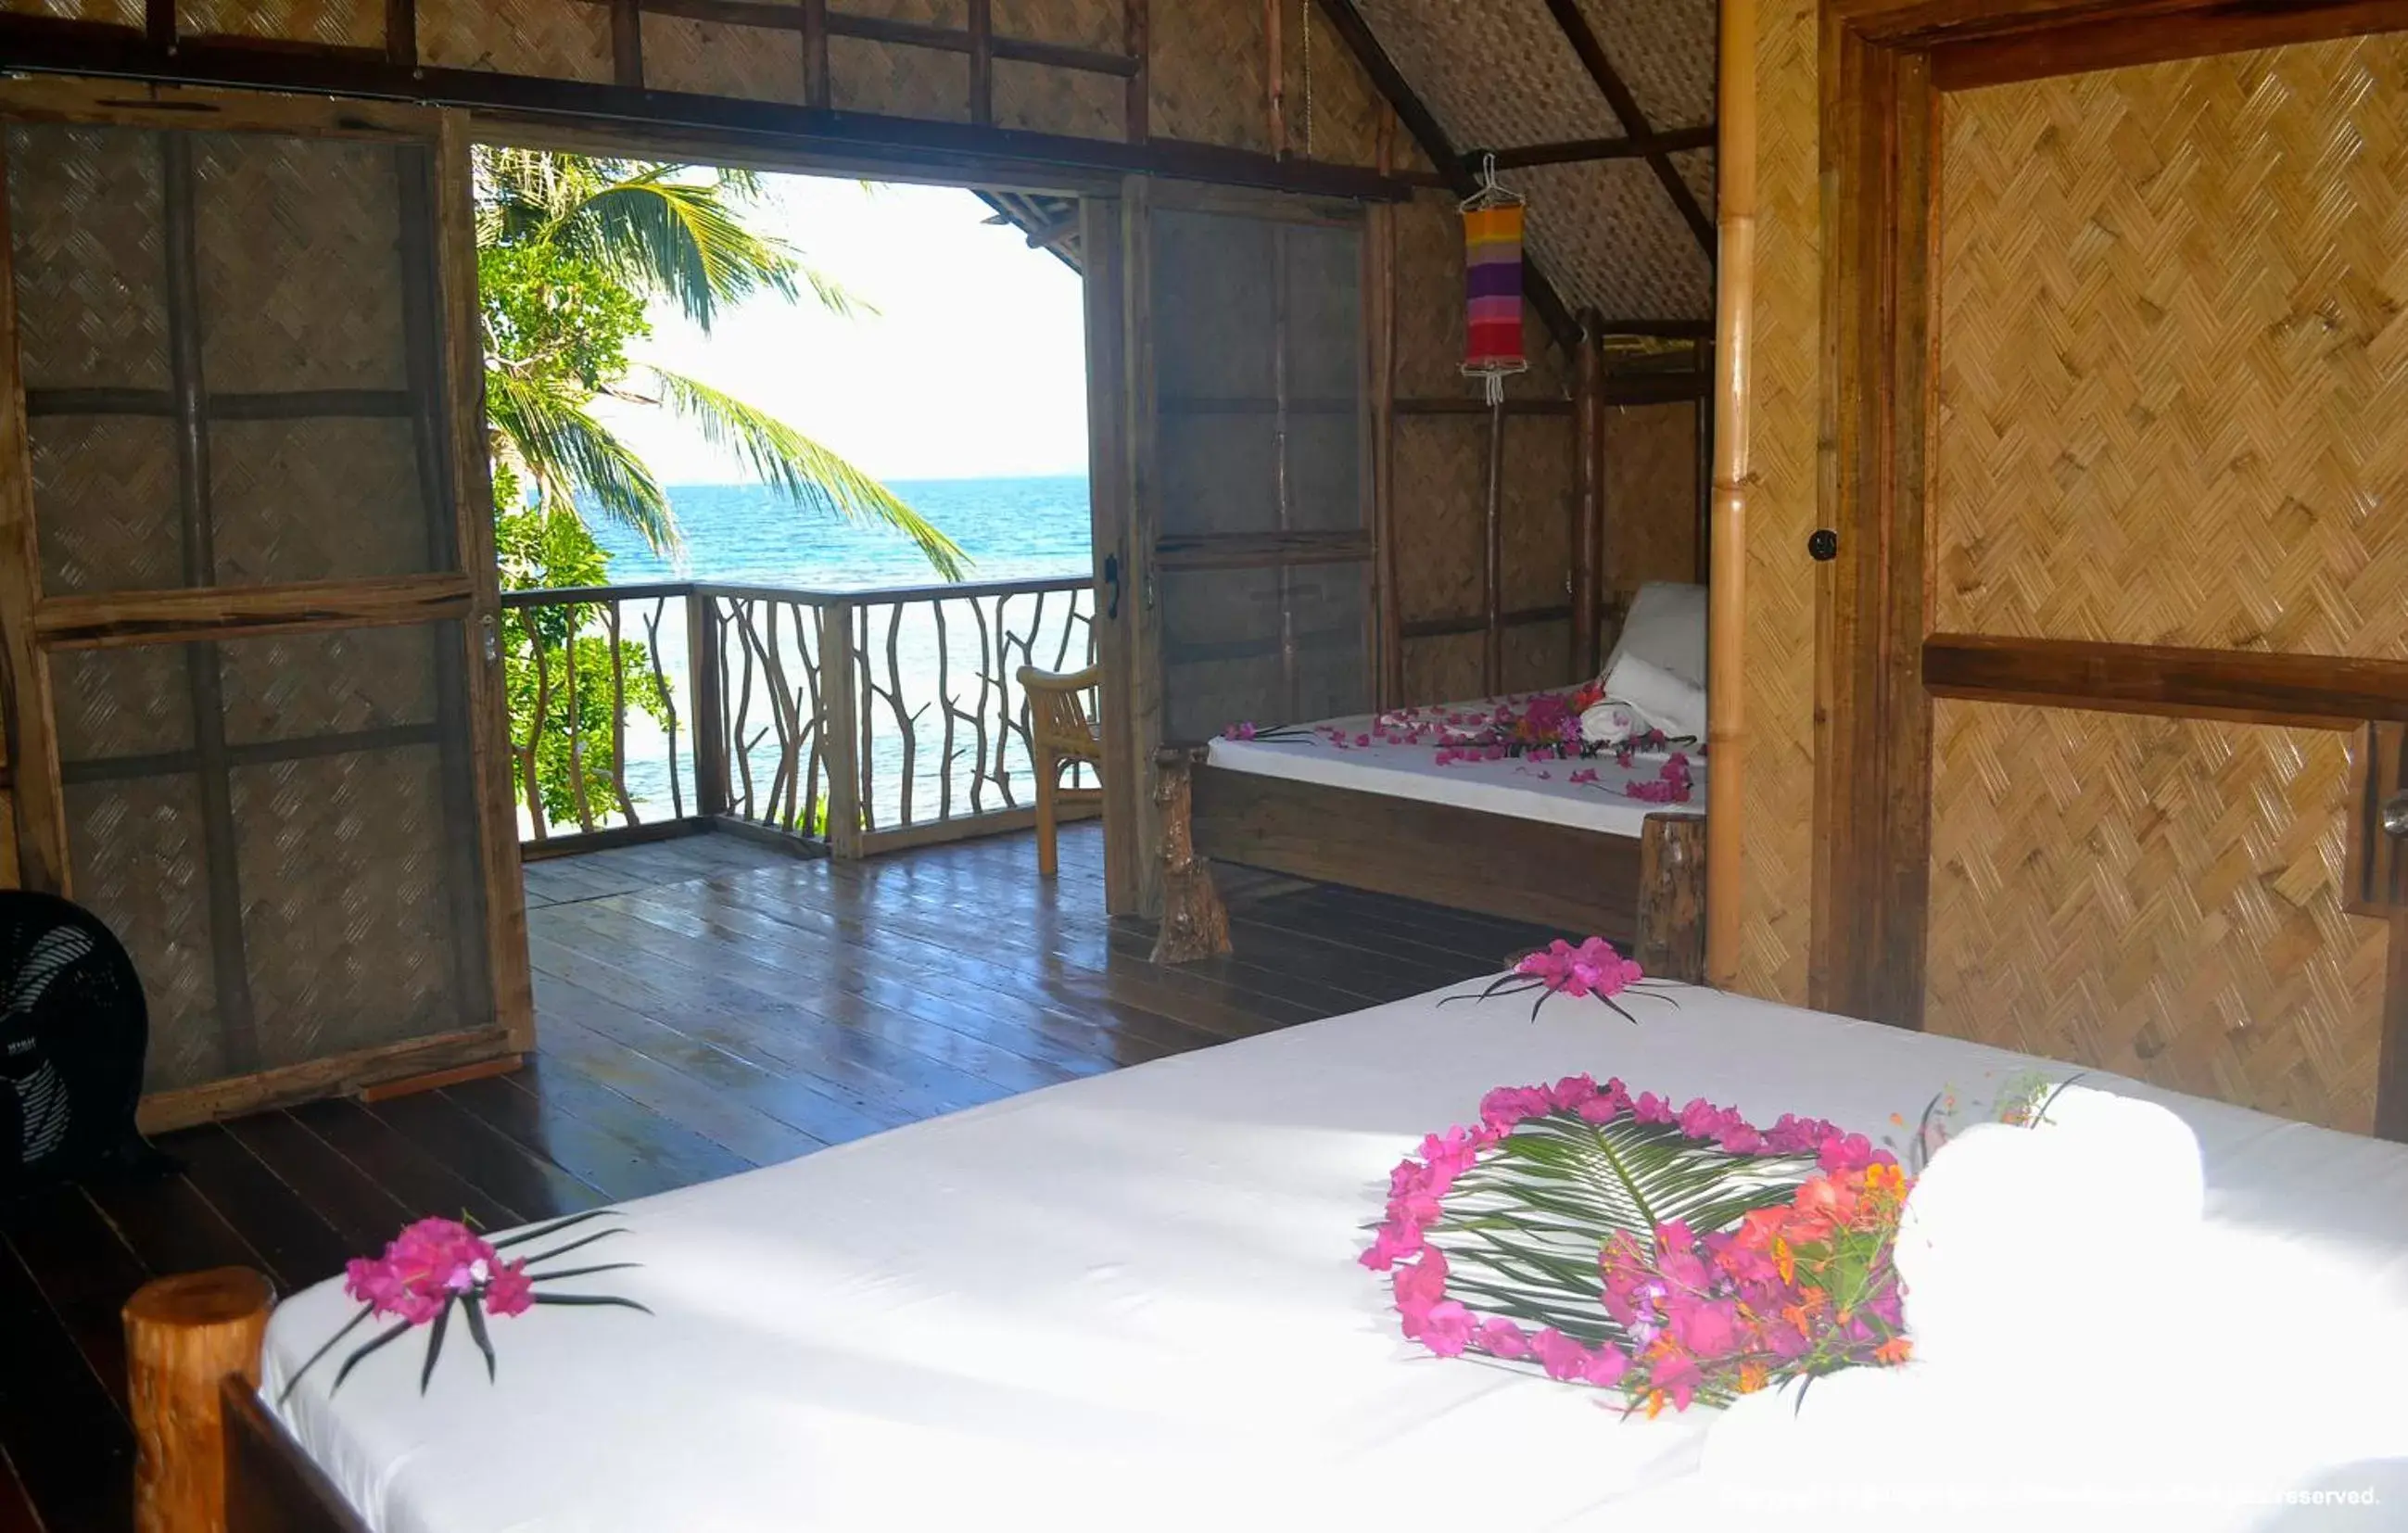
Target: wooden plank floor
x,y
704,1006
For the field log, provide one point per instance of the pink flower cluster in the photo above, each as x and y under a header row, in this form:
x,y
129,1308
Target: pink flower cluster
x,y
1671,785
1592,968
1418,1186
430,1264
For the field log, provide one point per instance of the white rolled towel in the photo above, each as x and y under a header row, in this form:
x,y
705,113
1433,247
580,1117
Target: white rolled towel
x,y
1609,722
1663,700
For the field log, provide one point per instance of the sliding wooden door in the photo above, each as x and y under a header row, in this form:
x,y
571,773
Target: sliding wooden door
x,y
1250,547
247,589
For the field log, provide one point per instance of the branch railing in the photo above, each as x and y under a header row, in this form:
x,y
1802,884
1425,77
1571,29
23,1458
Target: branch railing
x,y
867,720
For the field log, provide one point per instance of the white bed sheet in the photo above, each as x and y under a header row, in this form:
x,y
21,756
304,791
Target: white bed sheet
x,y
1132,1301
1527,789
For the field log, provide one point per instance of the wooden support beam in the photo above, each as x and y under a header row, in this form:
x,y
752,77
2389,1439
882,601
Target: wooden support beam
x,y
1390,83
1583,38
1492,572
1578,150
1588,496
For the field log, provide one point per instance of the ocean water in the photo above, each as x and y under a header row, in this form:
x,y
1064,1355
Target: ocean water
x,y
1011,529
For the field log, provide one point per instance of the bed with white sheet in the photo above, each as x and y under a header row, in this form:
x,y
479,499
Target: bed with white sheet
x,y
1563,843
1133,1302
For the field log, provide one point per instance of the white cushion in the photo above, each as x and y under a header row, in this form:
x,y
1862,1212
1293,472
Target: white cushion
x,y
1663,699
1666,628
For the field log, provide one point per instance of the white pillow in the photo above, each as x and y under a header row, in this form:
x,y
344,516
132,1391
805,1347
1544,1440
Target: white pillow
x,y
1666,628
1662,698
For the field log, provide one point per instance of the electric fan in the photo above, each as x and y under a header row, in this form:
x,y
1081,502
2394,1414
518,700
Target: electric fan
x,y
73,1028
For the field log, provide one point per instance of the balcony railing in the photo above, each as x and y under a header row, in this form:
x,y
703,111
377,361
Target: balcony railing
x,y
868,720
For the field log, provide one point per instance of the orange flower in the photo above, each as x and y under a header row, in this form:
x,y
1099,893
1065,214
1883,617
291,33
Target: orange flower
x,y
1784,1258
1654,1403
1752,1378
1897,1350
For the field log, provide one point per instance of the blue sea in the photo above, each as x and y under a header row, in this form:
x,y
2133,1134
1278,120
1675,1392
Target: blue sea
x,y
743,535
1011,528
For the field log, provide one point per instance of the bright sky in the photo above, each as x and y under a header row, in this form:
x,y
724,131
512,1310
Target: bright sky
x,y
973,366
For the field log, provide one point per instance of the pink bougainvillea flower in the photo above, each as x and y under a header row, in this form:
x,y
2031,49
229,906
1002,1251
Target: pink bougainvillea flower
x,y
1500,1338
1446,1329
1652,1108
509,1291
1394,1240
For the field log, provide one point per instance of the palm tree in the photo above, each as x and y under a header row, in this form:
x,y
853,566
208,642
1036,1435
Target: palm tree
x,y
619,232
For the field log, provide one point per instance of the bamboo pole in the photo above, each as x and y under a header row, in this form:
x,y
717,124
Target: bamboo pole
x,y
1726,601
183,1335
1588,492
1380,239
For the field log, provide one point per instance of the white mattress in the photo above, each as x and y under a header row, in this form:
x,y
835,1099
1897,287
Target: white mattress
x,y
1132,1301
1527,789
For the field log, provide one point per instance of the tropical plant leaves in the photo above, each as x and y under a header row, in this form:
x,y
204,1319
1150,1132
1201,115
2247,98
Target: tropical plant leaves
x,y
1522,1227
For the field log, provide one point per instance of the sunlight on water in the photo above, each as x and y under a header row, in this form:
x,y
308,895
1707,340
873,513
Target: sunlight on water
x,y
740,533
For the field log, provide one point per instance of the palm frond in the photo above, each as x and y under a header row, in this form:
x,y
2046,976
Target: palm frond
x,y
800,468
1523,1226
570,454
679,238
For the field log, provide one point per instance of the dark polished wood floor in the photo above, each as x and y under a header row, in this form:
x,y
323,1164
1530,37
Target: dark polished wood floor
x,y
704,1006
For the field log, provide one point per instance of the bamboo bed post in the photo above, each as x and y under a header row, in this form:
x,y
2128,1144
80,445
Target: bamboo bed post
x,y
184,1336
1588,492
1726,599
1671,916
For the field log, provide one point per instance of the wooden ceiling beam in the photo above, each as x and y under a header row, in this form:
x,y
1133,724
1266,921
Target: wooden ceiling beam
x,y
1416,115
1583,39
1576,150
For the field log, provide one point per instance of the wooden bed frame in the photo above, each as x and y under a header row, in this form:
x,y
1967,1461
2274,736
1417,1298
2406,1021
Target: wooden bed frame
x,y
1645,893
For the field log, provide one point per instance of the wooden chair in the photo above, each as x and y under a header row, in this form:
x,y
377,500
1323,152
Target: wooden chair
x,y
1061,731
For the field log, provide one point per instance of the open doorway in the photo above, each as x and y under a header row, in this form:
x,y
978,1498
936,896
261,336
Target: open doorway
x,y
790,481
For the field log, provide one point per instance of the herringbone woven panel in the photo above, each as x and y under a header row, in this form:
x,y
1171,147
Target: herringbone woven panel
x,y
347,924
1100,24
2155,896
1697,168
945,13
2173,379
898,80
1070,101
709,58
1777,804
83,221
1498,73
1650,267
559,39
1445,670
1534,505
1664,50
114,12
353,24
1440,488
105,503
1209,78
130,702
300,264
1339,105
1651,495
288,686
316,501
138,865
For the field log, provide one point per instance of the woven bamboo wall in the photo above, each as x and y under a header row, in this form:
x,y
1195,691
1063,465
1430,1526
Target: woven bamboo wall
x,y
1651,497
1778,808
2214,421
2159,898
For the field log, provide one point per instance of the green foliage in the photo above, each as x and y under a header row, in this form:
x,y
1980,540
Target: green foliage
x,y
571,252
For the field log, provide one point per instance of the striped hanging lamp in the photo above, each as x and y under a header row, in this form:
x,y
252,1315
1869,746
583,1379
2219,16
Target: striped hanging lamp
x,y
1492,280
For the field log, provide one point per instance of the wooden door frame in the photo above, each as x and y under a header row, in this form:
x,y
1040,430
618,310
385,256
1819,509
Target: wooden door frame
x,y
436,216
1885,65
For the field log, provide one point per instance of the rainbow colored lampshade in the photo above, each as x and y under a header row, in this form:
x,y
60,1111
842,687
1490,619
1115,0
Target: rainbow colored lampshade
x,y
1492,265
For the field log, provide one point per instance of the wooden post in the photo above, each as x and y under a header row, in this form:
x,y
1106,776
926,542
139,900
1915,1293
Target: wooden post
x,y
840,727
1588,493
1194,923
1671,942
703,638
1726,610
1380,246
1705,534
1492,648
183,1335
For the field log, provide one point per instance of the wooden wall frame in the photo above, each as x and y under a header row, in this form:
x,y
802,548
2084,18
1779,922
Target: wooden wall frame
x,y
1887,63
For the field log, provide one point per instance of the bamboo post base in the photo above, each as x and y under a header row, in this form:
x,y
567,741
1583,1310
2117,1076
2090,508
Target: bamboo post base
x,y
1672,898
1194,923
183,1335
